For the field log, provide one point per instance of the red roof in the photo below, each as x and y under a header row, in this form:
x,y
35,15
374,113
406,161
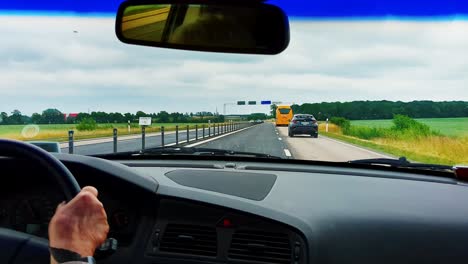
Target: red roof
x,y
74,115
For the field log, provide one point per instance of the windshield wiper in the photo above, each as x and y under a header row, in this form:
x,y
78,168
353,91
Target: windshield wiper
x,y
203,152
159,151
402,162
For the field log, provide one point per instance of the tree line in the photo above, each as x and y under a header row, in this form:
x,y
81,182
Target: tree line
x,y
356,110
367,110
55,116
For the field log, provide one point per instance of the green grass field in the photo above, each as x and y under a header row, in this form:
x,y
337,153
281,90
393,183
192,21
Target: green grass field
x,y
445,126
60,132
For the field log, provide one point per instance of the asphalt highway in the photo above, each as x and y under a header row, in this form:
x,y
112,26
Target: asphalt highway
x,y
258,139
263,138
324,148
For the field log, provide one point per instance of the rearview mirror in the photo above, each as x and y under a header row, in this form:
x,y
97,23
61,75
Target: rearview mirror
x,y
225,26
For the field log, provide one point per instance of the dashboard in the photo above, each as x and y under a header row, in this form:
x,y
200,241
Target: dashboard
x,y
216,211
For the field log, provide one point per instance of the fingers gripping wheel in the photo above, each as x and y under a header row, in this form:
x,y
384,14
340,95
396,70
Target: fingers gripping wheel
x,y
25,244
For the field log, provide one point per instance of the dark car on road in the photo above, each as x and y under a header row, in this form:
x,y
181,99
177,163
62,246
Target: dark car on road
x,y
303,124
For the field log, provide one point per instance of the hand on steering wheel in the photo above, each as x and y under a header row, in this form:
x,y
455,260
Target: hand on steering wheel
x,y
79,225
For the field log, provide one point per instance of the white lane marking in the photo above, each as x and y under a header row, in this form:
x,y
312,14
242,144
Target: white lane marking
x,y
287,152
218,137
356,147
280,139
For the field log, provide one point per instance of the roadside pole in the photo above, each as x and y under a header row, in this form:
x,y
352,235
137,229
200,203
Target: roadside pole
x,y
70,141
188,134
144,122
196,132
162,136
326,126
115,140
177,135
143,137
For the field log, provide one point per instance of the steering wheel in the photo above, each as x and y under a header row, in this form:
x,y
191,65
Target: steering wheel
x,y
18,247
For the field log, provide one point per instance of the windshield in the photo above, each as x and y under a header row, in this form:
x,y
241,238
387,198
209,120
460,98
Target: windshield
x,y
383,79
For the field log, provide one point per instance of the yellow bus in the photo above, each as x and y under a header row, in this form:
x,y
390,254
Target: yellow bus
x,y
284,114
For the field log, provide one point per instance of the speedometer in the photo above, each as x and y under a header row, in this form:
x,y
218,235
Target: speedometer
x,y
33,214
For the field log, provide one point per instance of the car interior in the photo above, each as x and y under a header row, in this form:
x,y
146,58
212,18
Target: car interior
x,y
193,209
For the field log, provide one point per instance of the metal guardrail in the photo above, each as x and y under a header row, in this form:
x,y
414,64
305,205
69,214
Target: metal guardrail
x,y
213,131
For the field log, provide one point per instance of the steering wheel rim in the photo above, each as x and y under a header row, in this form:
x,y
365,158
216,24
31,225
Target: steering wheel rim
x,y
64,178
28,248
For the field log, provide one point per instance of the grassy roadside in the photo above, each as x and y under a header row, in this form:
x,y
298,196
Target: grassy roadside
x,y
395,151
132,10
413,144
60,132
446,126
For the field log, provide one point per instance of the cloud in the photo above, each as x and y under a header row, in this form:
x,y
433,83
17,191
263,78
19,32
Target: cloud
x,y
46,64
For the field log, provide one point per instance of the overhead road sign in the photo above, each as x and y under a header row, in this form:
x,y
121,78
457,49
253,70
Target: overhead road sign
x,y
252,102
240,102
265,102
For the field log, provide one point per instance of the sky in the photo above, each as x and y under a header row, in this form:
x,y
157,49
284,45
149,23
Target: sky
x,y
46,64
303,8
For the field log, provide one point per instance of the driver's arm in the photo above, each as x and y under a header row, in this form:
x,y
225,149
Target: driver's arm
x,y
80,225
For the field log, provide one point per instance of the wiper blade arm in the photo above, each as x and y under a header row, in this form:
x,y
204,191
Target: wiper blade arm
x,y
402,163
208,151
202,152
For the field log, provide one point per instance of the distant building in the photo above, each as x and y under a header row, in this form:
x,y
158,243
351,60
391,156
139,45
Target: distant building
x,y
72,115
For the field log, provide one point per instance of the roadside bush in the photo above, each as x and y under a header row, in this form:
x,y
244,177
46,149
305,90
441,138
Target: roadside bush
x,y
87,124
341,122
406,127
366,132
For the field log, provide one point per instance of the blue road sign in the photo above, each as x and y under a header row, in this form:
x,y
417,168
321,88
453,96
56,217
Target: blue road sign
x,y
266,103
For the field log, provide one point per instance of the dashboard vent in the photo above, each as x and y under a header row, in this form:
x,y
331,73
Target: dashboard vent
x,y
189,239
259,246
